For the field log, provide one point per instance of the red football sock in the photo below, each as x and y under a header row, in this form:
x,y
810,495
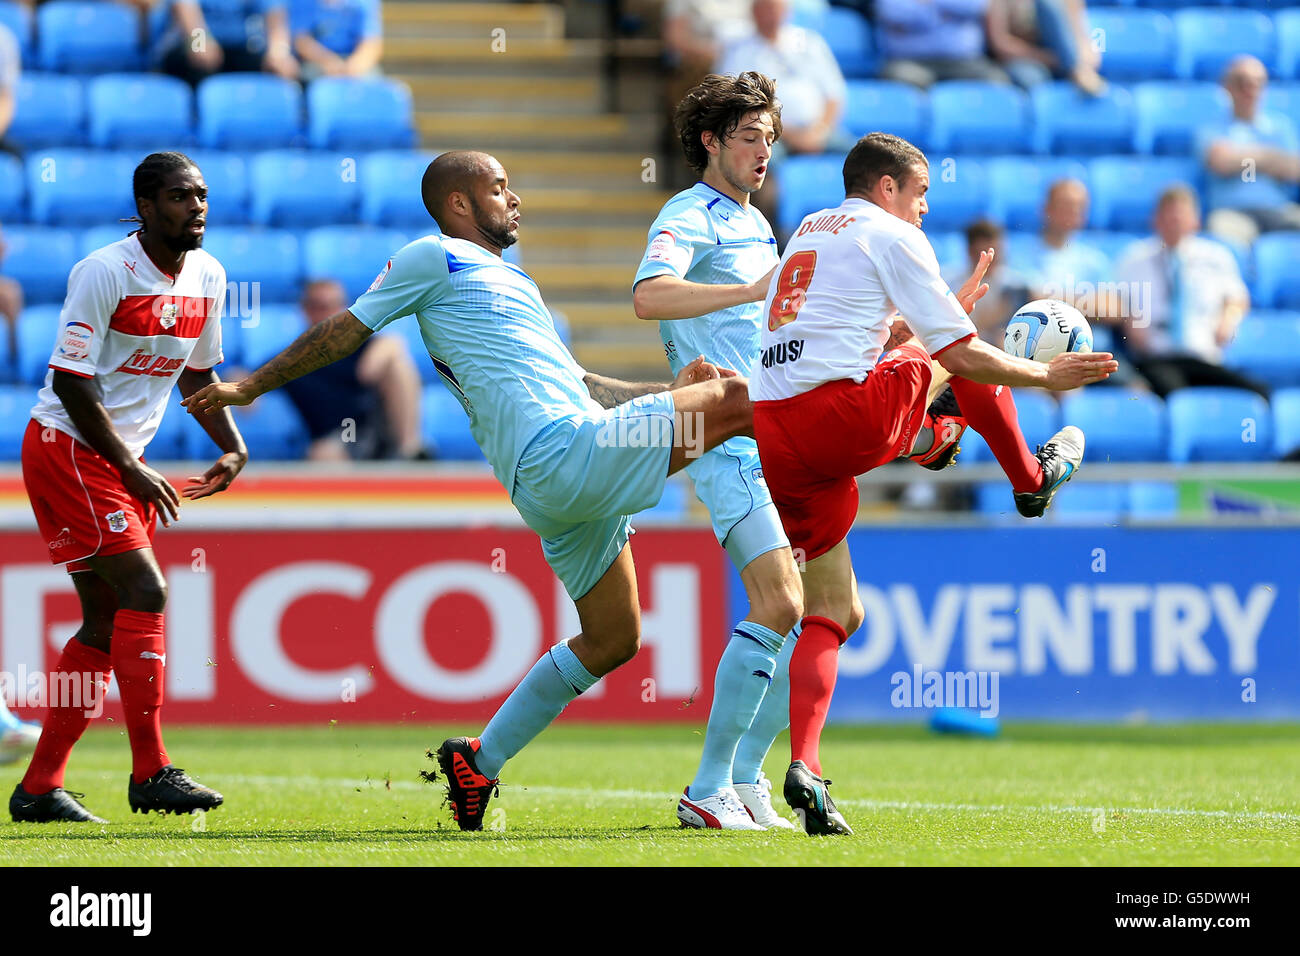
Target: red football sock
x,y
813,666
67,719
138,658
991,411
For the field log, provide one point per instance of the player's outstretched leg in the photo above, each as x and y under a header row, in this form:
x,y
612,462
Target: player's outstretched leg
x,y
610,614
17,737
742,682
1060,458
937,445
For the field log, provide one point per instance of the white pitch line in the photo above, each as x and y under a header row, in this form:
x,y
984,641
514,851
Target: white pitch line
x,y
372,783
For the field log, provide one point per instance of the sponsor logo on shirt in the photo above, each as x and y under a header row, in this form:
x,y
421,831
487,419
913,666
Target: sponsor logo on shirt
x,y
782,352
63,539
379,279
141,362
75,343
757,475
116,521
662,247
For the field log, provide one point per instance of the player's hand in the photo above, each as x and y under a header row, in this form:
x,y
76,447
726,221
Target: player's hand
x,y
698,371
758,288
218,395
217,478
209,57
1072,369
153,489
974,288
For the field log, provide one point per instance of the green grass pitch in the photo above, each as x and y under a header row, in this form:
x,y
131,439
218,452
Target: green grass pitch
x,y
604,795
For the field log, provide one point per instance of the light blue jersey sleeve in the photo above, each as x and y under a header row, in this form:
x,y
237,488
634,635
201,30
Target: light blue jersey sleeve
x,y
415,278
680,236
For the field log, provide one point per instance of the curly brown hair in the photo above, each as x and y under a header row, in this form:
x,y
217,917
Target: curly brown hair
x,y
718,105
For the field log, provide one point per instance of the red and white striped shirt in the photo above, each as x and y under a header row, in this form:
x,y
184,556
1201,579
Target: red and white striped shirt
x,y
134,327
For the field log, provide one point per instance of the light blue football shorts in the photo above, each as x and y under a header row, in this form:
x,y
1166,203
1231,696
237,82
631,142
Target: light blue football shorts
x,y
580,478
729,481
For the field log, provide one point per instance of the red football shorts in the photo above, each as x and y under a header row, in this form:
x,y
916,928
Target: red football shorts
x,y
82,508
814,445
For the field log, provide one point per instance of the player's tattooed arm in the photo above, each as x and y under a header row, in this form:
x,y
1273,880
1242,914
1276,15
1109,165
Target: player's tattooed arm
x,y
611,392
899,333
225,435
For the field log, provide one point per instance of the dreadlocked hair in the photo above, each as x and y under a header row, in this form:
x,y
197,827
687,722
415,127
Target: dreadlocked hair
x,y
149,176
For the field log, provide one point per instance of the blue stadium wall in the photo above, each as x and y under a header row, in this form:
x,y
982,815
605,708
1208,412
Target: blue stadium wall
x,y
1088,624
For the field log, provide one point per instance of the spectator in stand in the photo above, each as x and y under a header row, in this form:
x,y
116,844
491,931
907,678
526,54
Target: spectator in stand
x,y
213,36
364,406
926,41
10,69
337,37
1253,159
1008,290
808,81
1192,300
11,303
1036,40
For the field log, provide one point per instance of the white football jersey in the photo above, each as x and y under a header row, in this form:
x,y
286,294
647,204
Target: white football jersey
x,y
845,272
134,327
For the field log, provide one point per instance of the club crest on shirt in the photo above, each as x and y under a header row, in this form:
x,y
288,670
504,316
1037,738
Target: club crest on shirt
x,y
167,318
116,521
757,475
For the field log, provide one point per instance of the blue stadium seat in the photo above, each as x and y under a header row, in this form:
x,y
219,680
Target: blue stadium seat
x,y
139,109
1120,425
353,255
1094,502
271,426
1286,421
169,442
38,325
848,33
80,187
888,107
18,18
249,111
40,258
949,247
445,426
1219,424
300,189
1113,244
1040,419
226,176
1287,25
1283,98
1265,347
16,403
1125,188
270,257
266,333
13,189
409,331
1018,186
390,189
1208,39
48,111
808,183
357,114
97,237
1277,280
958,192
1067,121
973,117
79,37
993,500
1135,44
1152,500
1170,112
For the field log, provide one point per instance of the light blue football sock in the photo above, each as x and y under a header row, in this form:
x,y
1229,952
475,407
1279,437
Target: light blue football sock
x,y
773,717
555,679
744,673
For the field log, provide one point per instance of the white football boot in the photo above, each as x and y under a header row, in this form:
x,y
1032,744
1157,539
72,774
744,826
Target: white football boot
x,y
17,737
757,798
718,811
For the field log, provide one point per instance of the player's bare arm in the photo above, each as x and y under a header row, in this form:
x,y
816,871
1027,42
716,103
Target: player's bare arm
x,y
666,297
980,362
611,392
83,398
221,429
317,347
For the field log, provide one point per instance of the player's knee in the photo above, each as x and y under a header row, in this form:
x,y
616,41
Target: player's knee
x,y
735,399
620,649
147,593
782,609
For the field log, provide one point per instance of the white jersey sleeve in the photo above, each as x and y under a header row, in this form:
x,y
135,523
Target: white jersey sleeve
x,y
93,294
207,350
909,273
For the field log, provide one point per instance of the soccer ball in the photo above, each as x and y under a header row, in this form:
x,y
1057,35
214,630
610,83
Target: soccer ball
x,y
1046,328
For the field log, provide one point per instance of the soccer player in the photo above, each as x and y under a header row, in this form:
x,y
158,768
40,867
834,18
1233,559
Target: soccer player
x,y
577,452
703,276
837,394
141,315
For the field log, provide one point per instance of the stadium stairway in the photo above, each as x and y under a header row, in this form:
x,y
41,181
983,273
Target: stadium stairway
x,y
508,78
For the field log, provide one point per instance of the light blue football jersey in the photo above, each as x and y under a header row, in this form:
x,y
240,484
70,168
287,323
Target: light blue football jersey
x,y
704,236
491,339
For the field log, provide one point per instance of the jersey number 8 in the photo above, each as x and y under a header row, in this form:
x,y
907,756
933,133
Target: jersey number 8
x,y
791,288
